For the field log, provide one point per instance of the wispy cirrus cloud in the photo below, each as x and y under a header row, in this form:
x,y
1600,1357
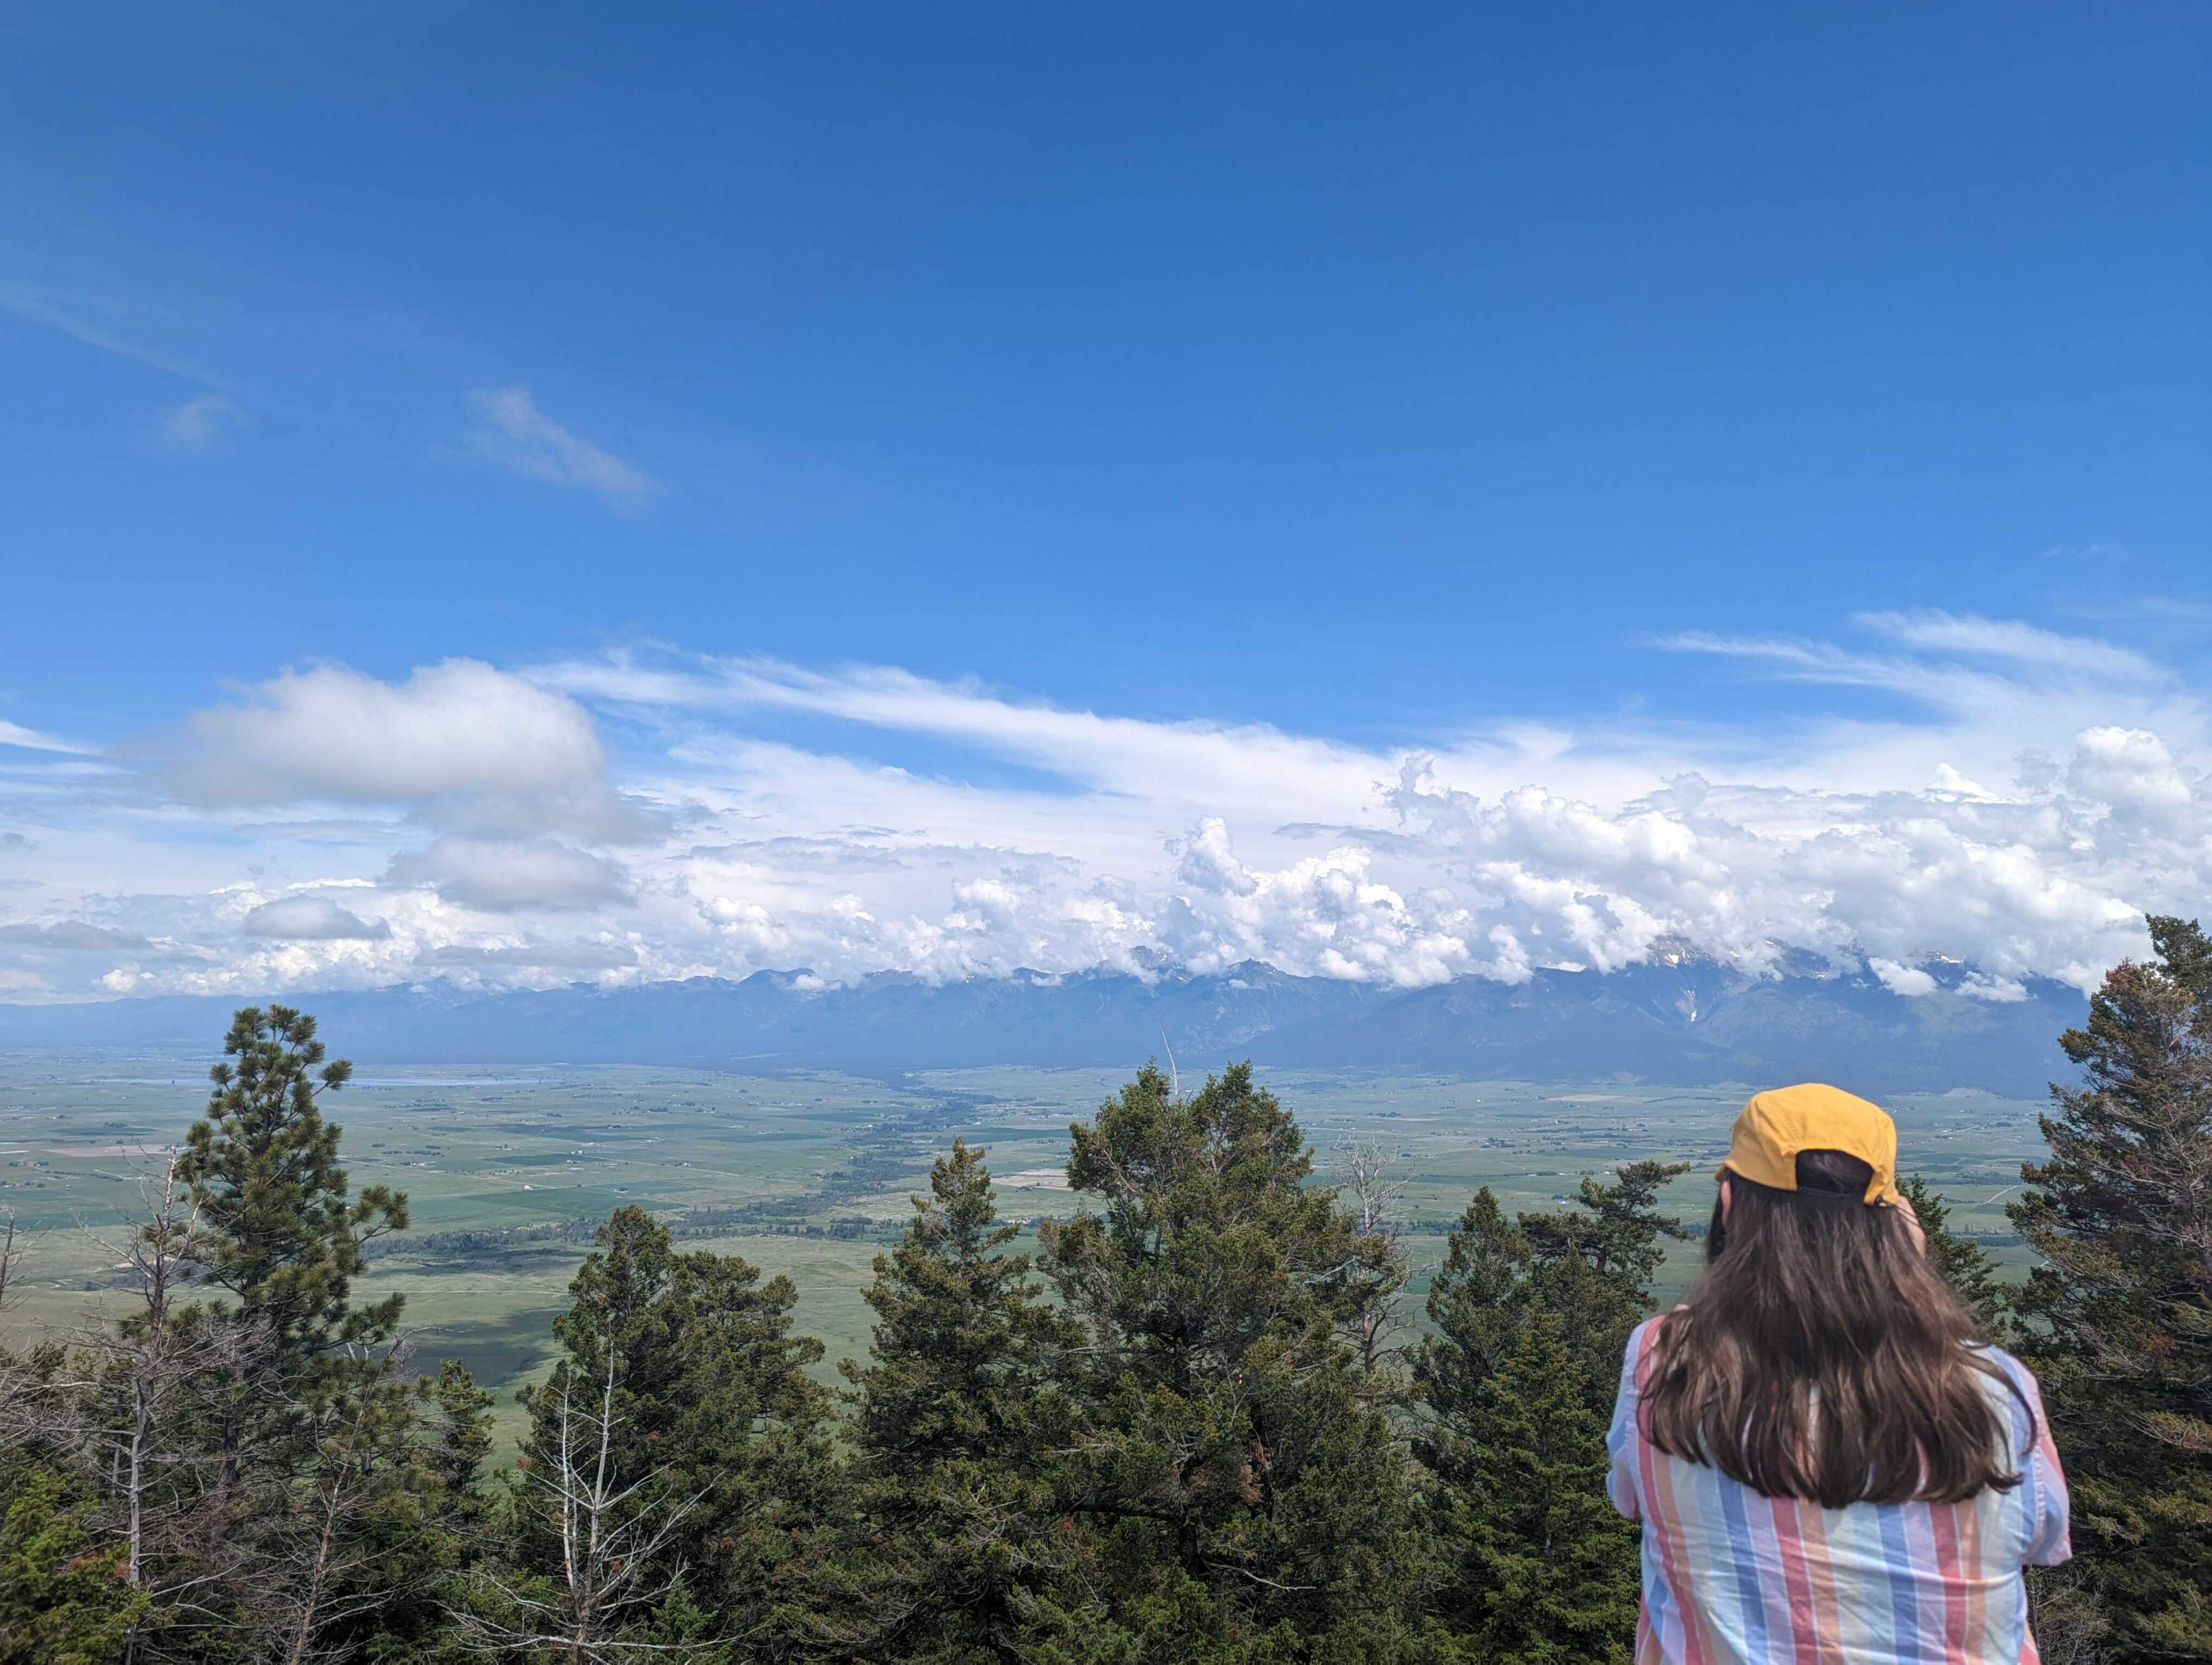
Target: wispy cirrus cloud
x,y
511,432
1253,762
1948,656
198,424
2011,641
80,323
30,739
1986,691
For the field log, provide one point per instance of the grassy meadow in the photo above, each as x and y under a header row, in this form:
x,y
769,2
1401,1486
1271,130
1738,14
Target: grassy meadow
x,y
808,1174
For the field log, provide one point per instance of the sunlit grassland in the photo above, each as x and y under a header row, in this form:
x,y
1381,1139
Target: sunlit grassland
x,y
808,1174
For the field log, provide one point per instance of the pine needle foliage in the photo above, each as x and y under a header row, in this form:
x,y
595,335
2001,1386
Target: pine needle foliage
x,y
1547,1572
64,1599
2117,1317
279,1230
1963,1263
681,1418
1530,1319
956,1417
1592,1263
1253,1504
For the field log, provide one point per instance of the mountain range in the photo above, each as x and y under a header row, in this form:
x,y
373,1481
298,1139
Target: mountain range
x,y
1682,1018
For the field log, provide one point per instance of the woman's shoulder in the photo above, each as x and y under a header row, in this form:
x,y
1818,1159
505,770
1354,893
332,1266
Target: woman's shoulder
x,y
1646,1335
2000,1363
2011,1390
1994,1357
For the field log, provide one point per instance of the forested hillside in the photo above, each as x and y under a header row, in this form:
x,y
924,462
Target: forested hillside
x,y
1201,1424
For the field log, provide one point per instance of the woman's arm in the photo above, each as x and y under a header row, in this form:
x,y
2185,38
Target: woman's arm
x,y
2043,1482
1622,1440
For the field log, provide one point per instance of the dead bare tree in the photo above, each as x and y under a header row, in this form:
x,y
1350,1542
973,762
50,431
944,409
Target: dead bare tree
x,y
137,1387
9,1251
1376,1199
22,1389
116,1402
614,1532
154,1354
314,1586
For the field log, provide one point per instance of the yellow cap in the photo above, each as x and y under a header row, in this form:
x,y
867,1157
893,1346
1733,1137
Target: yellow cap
x,y
1781,1121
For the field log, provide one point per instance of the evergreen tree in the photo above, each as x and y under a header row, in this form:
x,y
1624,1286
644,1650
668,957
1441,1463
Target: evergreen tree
x,y
1252,1504
1593,1263
955,1417
356,1552
680,1443
1964,1264
63,1596
435,1525
465,1437
278,1480
1478,1304
1571,1283
278,1230
257,1457
2117,1317
1548,1572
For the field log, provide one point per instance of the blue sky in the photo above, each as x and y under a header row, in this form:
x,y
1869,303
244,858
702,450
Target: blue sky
x,y
1386,382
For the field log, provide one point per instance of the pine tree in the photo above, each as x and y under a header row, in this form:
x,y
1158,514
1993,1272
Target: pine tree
x,y
277,1228
286,1502
2117,1317
1548,1572
962,1335
465,1437
1250,1501
358,1548
1964,1264
447,1524
1573,1282
954,1419
679,1444
1478,1301
1593,1264
63,1596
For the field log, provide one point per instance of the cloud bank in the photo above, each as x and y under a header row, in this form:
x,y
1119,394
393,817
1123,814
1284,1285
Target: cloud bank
x,y
1972,789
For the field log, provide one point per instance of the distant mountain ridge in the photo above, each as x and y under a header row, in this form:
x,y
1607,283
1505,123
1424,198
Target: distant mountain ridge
x,y
1684,1019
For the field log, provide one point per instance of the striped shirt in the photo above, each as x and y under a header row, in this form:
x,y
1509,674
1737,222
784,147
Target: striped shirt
x,y
1734,1578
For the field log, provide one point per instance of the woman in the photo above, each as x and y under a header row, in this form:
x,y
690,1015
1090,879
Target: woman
x,y
1829,1463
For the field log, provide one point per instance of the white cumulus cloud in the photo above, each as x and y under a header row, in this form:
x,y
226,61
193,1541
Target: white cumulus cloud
x,y
464,744
311,919
502,876
1911,980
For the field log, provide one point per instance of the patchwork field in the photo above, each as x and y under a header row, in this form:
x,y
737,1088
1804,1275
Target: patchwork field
x,y
507,1170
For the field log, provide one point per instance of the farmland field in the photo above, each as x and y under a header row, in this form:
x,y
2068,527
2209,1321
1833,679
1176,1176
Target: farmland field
x,y
808,1174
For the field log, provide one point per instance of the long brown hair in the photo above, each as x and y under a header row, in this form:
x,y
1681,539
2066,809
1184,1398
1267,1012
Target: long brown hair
x,y
1820,1356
